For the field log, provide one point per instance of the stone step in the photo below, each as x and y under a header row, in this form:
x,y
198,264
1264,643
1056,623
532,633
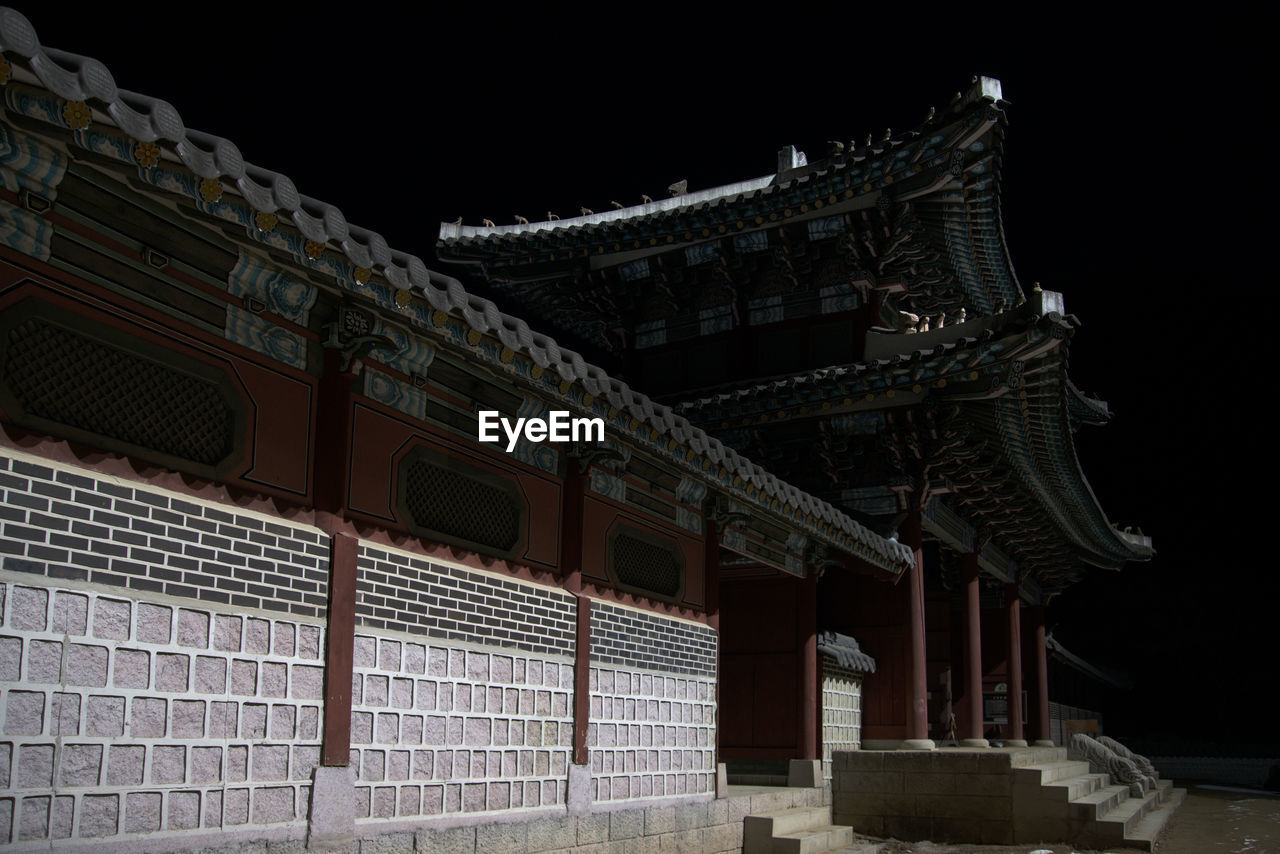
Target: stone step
x,y
1023,756
1120,821
818,840
1039,773
1073,788
1144,834
759,830
1099,802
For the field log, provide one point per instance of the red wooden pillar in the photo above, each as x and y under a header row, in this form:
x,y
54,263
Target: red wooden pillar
x,y
973,736
1043,728
1013,607
571,572
917,685
807,626
339,650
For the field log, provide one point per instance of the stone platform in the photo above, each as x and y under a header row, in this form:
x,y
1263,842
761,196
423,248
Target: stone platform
x,y
1000,796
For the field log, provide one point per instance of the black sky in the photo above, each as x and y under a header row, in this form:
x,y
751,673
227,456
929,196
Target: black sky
x,y
1132,183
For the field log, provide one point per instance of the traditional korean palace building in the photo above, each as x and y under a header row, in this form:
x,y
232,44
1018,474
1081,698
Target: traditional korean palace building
x,y
262,581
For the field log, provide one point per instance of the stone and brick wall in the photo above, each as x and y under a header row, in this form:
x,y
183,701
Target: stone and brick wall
x,y
126,717
652,730
461,701
160,660
841,712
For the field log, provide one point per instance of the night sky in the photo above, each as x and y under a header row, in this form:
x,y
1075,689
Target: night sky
x,y
1132,183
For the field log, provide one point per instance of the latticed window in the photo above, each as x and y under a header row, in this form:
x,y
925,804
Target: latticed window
x,y
645,564
88,389
445,499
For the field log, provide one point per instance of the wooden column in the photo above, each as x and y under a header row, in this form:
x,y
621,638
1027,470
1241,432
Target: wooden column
x,y
973,734
807,643
340,644
917,684
1044,727
571,572
1013,608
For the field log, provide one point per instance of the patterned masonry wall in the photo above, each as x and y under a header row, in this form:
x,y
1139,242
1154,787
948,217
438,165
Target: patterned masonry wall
x,y
144,685
841,712
463,706
406,593
65,523
122,717
652,731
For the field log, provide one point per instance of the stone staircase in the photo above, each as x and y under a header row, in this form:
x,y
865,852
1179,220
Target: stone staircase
x,y
800,830
1057,799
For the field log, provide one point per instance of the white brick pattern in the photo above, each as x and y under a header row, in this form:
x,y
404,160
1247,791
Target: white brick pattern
x,y
443,730
841,712
121,717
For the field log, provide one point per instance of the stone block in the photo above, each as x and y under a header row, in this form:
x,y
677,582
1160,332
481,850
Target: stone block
x,y
309,642
124,764
172,672
10,659
365,652
80,765
237,763
283,725
44,662
192,629
389,843
552,833
625,824
24,713
376,690
111,618
226,633
478,732
141,812
244,677
270,762
70,613
362,728
168,764
235,806
184,810
308,682
274,680
908,827
35,767
257,636
306,758
87,665
498,796
64,716
213,809
502,837
373,766
449,840
28,608
211,675
206,765
253,721
929,783
154,623
104,716
61,817
398,765
285,639
188,719
223,719
34,823
408,801
132,669
384,802
402,693
99,815
308,723
273,805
